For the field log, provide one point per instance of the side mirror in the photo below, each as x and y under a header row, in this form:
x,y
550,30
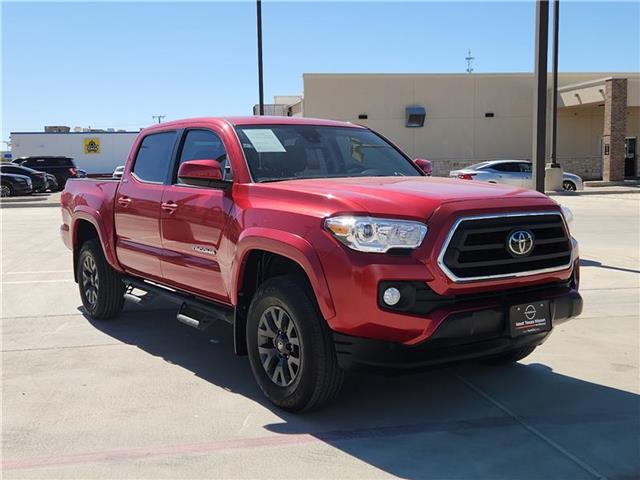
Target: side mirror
x,y
202,173
424,165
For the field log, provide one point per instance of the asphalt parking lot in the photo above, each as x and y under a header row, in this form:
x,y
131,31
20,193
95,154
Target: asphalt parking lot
x,y
147,397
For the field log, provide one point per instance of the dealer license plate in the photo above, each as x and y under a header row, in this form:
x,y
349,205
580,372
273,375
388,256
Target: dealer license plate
x,y
530,318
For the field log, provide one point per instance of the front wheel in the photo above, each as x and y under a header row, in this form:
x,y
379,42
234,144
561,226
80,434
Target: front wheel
x,y
101,288
568,186
290,347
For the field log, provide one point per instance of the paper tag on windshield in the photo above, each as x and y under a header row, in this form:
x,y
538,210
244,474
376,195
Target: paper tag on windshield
x,y
264,140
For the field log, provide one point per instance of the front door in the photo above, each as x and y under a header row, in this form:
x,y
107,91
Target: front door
x,y
193,220
137,206
630,157
509,173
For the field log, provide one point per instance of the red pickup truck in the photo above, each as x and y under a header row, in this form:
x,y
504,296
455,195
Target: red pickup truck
x,y
325,247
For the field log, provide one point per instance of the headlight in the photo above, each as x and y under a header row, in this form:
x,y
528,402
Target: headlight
x,y
567,214
376,235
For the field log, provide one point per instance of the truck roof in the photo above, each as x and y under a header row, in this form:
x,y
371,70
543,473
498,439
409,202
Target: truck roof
x,y
257,120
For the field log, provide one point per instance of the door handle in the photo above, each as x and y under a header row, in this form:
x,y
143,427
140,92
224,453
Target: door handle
x,y
169,207
124,201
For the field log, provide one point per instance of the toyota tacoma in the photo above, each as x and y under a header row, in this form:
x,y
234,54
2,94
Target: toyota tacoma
x,y
325,247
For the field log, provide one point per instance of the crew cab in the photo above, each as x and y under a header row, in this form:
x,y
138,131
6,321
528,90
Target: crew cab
x,y
325,247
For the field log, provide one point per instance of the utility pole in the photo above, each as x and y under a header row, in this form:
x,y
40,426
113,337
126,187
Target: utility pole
x,y
540,94
554,113
469,58
260,79
158,117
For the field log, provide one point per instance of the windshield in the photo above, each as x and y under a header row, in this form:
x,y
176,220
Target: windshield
x,y
285,152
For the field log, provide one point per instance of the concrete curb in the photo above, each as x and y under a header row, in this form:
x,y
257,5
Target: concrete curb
x,y
595,191
28,205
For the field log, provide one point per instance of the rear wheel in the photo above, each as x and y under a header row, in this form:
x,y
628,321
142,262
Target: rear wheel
x,y
513,355
101,288
290,347
568,186
6,190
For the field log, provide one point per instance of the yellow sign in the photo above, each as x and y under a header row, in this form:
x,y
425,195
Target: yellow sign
x,y
91,145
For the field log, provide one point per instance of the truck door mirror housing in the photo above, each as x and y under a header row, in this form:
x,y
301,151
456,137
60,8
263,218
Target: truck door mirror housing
x,y
424,165
201,173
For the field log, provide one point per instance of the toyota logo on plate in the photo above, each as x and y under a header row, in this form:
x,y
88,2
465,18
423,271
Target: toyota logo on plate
x,y
520,243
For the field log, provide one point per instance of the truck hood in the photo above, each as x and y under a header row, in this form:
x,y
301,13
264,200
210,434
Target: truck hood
x,y
401,196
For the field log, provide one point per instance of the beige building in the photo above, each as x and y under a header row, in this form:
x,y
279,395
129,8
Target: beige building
x,y
473,117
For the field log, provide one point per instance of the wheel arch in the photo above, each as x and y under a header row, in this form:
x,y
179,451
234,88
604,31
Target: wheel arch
x,y
86,227
265,253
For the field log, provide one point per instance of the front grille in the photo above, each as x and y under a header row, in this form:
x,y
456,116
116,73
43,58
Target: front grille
x,y
478,246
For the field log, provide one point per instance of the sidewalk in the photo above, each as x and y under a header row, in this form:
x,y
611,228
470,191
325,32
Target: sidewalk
x,y
598,191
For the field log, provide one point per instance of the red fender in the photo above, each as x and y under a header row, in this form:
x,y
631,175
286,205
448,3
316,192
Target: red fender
x,y
84,212
287,245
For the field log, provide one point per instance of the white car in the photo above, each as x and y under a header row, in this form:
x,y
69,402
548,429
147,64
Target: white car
x,y
510,172
117,173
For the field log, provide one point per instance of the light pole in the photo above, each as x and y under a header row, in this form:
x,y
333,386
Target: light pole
x,y
554,113
260,80
540,94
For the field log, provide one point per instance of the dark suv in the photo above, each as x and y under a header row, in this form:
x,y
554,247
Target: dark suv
x,y
38,179
61,167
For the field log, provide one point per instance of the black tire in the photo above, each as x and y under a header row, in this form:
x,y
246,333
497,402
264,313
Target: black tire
x,y
569,186
7,190
513,355
101,288
319,377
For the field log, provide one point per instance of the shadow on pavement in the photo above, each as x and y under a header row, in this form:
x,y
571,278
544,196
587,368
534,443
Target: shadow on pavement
x,y
594,263
467,421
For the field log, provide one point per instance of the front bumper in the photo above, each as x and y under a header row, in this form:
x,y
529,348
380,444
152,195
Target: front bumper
x,y
22,189
465,334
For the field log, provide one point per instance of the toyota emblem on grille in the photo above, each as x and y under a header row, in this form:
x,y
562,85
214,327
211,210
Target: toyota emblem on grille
x,y
520,243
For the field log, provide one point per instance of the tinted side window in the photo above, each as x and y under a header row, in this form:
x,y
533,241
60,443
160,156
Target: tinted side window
x,y
507,167
154,157
205,145
525,167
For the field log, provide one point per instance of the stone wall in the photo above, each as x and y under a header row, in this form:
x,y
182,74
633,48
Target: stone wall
x,y
589,168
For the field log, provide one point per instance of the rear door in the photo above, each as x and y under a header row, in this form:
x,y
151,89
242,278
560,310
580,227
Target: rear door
x,y
525,169
193,220
137,205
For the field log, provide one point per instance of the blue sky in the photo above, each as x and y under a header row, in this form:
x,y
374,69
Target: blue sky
x,y
115,64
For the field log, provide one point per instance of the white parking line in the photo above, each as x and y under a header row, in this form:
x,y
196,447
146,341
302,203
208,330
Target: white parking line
x,y
40,271
18,282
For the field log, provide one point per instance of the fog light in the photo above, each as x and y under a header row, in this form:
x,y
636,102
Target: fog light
x,y
391,296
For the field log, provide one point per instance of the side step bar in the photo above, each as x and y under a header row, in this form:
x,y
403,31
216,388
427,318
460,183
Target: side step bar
x,y
194,311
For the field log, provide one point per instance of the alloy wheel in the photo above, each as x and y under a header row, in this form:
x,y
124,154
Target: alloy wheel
x,y
279,346
5,191
90,282
568,186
